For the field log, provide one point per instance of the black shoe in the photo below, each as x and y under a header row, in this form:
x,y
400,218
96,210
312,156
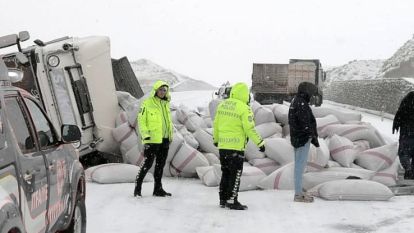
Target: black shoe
x,y
236,206
137,191
161,193
408,175
223,203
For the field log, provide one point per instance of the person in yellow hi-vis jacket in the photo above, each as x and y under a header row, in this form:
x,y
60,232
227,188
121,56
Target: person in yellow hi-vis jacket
x,y
156,130
233,126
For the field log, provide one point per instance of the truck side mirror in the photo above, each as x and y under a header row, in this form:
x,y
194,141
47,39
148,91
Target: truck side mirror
x,y
24,35
9,40
70,133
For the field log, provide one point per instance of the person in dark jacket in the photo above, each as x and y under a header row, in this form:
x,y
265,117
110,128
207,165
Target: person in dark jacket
x,y
302,125
404,122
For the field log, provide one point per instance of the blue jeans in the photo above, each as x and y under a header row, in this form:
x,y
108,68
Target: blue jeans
x,y
301,159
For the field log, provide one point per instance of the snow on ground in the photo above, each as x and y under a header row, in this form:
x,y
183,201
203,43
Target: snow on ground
x,y
194,207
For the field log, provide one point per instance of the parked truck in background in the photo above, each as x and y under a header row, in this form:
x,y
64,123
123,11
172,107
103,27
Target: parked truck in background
x,y
75,80
275,83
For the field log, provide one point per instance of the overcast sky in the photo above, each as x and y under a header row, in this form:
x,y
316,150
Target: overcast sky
x,y
218,40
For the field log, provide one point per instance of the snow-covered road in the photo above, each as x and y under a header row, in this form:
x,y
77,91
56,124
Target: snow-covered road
x,y
194,207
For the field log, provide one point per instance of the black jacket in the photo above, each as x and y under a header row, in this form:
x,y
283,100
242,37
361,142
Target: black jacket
x,y
404,118
302,123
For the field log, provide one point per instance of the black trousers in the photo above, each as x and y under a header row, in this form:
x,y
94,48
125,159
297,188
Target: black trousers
x,y
406,154
158,152
231,168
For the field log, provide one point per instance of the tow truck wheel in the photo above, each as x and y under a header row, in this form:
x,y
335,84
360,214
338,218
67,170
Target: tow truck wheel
x,y
78,222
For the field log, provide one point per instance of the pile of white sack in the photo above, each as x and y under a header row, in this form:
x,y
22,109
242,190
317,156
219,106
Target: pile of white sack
x,y
352,163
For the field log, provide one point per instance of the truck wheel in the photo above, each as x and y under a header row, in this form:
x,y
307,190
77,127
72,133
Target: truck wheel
x,y
78,222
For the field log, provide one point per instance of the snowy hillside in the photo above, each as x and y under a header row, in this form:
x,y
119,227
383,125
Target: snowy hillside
x,y
148,72
355,70
399,60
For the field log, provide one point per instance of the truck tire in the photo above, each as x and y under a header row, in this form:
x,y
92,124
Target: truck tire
x,y
78,222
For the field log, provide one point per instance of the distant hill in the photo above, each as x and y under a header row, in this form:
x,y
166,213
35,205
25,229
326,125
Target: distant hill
x,y
355,70
148,73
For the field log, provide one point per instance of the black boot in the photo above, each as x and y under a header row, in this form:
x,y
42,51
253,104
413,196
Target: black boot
x,y
236,205
137,191
161,193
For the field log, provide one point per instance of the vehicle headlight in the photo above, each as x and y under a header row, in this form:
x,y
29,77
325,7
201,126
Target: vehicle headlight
x,y
53,61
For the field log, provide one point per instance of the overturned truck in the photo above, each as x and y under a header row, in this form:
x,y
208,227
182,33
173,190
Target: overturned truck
x,y
75,80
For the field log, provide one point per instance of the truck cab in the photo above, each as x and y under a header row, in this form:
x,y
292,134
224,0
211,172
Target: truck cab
x,y
42,184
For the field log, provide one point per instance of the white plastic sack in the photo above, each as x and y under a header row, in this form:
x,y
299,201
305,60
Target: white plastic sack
x,y
389,175
342,150
312,179
212,158
281,113
122,132
190,119
252,151
111,173
249,179
379,158
280,150
121,118
186,160
343,116
282,178
355,190
354,133
205,141
266,130
130,142
263,115
208,176
188,137
361,145
266,165
322,122
318,156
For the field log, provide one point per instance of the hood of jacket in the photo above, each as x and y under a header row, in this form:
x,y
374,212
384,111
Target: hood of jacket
x,y
306,90
240,91
159,84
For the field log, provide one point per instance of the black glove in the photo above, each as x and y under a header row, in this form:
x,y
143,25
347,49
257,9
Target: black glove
x,y
262,148
315,141
147,138
215,144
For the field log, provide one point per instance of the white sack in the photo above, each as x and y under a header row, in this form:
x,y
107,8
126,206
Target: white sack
x,y
379,158
282,178
311,179
361,145
281,112
266,130
130,142
205,141
212,158
111,173
186,160
318,156
342,150
280,150
190,119
252,151
266,165
355,190
342,116
121,118
389,175
188,137
354,133
249,179
208,176
122,132
322,122
263,115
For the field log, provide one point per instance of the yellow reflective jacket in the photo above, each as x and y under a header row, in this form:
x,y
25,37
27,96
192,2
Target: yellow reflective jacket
x,y
234,121
153,114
